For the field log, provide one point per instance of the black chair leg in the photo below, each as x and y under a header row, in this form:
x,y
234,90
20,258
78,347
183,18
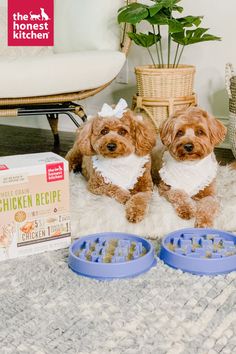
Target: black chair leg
x,y
70,109
53,122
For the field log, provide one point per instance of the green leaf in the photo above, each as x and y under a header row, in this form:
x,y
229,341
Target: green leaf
x,y
178,8
158,19
144,40
154,9
169,4
133,13
197,35
198,32
189,21
157,36
174,26
161,19
179,38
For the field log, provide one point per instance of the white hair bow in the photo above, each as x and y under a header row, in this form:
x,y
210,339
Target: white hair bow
x,y
118,111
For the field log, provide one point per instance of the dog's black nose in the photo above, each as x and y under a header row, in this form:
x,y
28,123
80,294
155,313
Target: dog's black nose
x,y
188,147
111,146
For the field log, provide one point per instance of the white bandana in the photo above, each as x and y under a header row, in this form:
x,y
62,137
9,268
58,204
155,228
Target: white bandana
x,y
118,111
121,171
190,176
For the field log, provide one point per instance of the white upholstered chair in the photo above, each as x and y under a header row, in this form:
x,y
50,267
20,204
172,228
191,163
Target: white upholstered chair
x,y
89,51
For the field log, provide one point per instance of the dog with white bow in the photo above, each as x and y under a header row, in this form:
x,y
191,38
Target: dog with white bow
x,y
113,152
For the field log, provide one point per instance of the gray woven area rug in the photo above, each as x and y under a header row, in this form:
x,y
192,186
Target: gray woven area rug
x,y
46,308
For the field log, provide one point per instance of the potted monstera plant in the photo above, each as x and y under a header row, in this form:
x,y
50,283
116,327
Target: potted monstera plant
x,y
166,84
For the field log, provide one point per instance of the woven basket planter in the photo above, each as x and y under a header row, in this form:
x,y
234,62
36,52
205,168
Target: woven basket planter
x,y
230,82
161,91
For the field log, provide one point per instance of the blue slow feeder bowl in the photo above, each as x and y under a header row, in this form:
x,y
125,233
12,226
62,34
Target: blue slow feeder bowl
x,y
200,251
110,255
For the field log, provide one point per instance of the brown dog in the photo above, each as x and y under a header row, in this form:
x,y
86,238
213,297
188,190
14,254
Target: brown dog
x,y
189,166
114,154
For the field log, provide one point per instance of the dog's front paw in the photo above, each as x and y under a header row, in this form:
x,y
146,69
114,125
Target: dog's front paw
x,y
185,207
133,213
207,209
136,208
186,211
123,197
204,220
203,223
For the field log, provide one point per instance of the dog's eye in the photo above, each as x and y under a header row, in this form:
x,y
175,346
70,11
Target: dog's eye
x,y
122,131
179,133
199,132
104,131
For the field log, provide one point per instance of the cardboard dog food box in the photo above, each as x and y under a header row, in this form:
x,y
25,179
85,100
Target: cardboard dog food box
x,y
34,204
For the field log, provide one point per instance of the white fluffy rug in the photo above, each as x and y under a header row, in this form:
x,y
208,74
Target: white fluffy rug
x,y
92,214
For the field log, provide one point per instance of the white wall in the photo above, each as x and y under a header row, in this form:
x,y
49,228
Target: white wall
x,y
209,57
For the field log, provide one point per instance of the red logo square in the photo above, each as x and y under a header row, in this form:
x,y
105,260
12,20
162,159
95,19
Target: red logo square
x,y
30,23
55,171
3,168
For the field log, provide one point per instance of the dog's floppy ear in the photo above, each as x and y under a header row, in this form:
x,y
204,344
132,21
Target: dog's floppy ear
x,y
83,140
217,129
166,131
144,134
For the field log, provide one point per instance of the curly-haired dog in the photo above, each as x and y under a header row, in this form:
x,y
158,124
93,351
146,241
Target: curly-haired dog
x,y
114,151
189,166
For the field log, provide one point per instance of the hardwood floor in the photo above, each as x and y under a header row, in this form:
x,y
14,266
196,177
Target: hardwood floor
x,y
18,140
224,156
